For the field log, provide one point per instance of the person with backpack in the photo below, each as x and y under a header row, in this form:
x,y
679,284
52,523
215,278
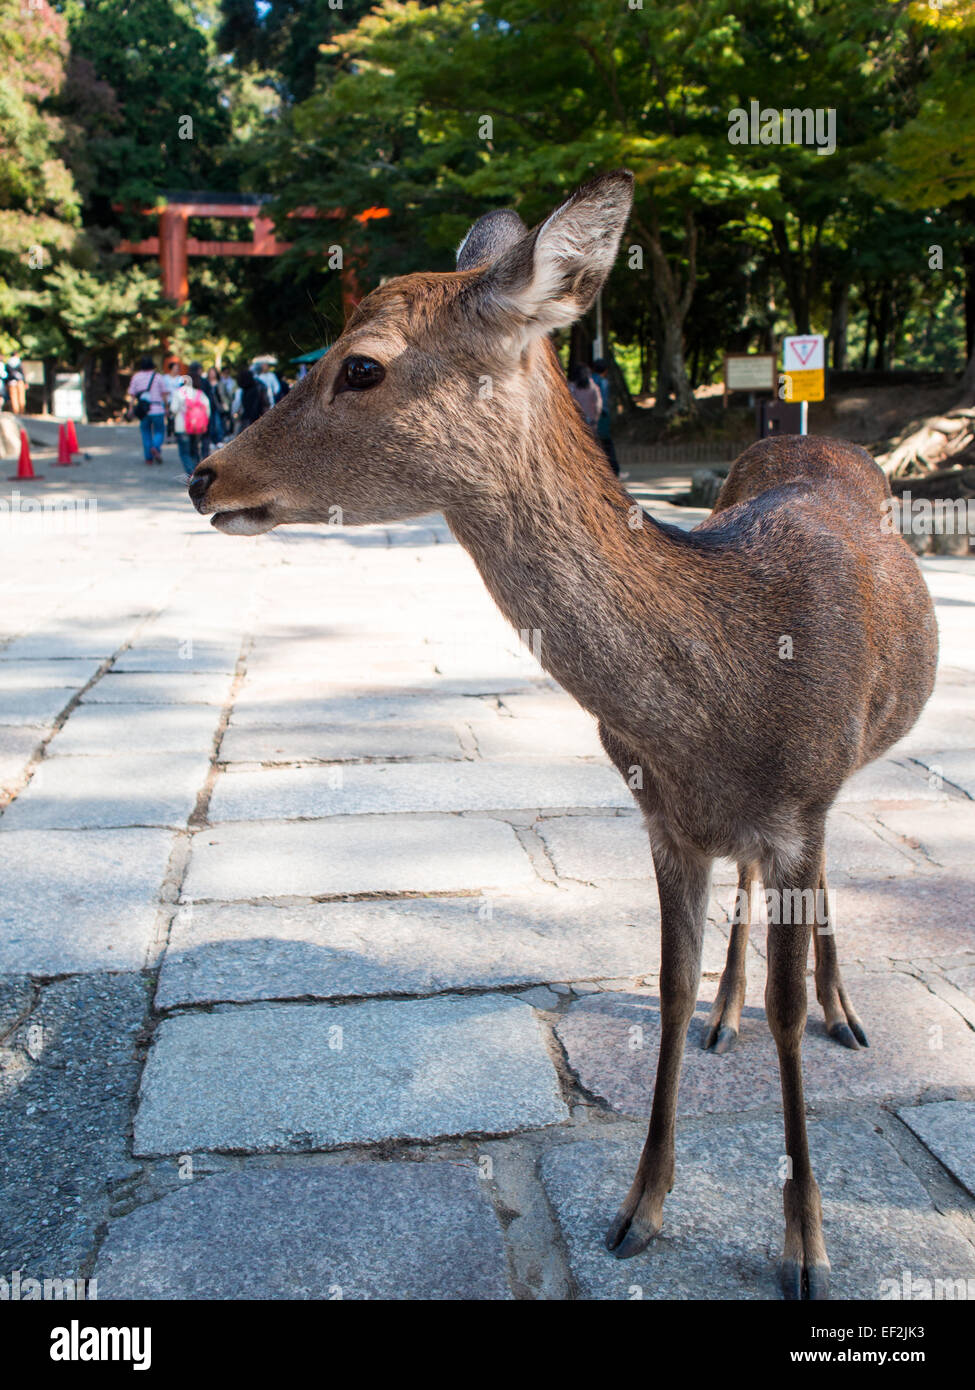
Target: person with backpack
x,y
191,421
251,399
147,395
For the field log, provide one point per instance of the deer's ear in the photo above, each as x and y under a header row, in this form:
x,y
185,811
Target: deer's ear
x,y
489,237
552,275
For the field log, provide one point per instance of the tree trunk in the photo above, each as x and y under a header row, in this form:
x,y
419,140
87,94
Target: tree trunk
x,y
867,339
672,301
662,384
673,352
646,363
881,359
839,321
619,392
580,343
968,259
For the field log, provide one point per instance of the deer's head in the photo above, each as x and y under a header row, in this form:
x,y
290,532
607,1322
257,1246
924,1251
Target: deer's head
x,y
435,384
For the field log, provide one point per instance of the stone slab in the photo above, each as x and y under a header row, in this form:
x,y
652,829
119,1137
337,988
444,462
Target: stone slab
x,y
919,1049
38,675
71,639
570,733
593,848
893,781
356,1231
34,707
152,688
947,721
945,834
894,919
16,999
342,743
180,657
67,1077
376,854
963,977
723,1226
954,766
376,788
240,952
299,1077
947,1128
296,703
855,849
108,793
102,730
17,747
79,900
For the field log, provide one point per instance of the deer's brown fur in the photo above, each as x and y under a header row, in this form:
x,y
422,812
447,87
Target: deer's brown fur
x,y
676,641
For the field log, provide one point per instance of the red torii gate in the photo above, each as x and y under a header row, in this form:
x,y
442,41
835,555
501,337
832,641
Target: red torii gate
x,y
174,245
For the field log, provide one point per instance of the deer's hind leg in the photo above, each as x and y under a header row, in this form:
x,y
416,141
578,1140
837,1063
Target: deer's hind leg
x,y
683,881
722,1034
842,1022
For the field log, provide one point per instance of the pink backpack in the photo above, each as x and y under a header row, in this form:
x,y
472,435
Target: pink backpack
x,y
196,420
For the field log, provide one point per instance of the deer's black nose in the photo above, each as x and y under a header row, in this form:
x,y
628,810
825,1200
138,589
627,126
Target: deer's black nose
x,y
199,484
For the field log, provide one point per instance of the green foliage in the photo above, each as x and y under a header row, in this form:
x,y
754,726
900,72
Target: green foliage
x,y
39,205
89,311
438,111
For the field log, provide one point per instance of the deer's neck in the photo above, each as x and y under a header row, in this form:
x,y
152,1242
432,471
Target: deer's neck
x,y
610,600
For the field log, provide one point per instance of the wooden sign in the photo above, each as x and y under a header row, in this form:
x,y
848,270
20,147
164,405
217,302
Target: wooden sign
x,y
749,371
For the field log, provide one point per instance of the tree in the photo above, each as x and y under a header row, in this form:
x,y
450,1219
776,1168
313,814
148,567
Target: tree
x,y
932,165
160,64
39,204
441,112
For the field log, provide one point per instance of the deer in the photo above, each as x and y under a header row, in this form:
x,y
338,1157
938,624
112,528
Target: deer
x,y
672,638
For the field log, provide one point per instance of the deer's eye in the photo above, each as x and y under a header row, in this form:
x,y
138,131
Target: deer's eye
x,y
358,374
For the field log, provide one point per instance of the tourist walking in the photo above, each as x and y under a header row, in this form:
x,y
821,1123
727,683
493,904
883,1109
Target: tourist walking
x,y
586,394
171,384
191,420
251,400
16,384
269,380
604,425
226,390
148,396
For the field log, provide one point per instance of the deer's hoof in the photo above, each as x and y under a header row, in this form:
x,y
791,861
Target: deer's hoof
x,y
849,1034
804,1282
721,1040
628,1235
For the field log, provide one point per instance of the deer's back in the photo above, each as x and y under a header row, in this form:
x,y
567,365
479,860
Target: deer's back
x,y
808,515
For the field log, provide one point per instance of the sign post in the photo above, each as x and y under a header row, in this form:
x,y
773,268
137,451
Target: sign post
x,y
69,399
804,367
749,371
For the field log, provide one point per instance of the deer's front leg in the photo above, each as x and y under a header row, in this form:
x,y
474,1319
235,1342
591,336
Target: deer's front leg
x,y
805,1266
682,883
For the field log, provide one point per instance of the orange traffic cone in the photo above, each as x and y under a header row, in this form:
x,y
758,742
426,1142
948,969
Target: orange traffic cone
x,y
25,469
72,434
64,453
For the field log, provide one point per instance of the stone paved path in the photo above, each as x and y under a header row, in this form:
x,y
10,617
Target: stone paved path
x,y
328,941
